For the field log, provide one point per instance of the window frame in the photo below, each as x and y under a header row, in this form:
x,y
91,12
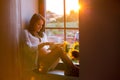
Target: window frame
x,y
64,22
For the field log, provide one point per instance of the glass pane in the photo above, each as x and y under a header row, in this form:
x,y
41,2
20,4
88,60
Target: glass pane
x,y
54,13
55,19
72,12
72,24
55,35
71,36
54,24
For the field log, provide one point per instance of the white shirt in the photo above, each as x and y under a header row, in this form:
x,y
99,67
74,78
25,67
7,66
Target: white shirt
x,y
32,42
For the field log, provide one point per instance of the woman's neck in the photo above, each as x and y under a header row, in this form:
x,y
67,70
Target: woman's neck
x,y
34,33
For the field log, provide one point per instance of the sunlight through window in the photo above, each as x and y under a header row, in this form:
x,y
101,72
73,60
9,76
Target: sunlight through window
x,y
62,26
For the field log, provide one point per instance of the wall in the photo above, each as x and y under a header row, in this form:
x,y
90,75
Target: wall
x,y
99,48
28,8
14,15
9,33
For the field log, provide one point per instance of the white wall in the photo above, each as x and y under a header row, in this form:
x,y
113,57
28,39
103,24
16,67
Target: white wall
x,y
28,8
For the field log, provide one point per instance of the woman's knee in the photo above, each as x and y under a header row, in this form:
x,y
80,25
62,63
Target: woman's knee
x,y
59,50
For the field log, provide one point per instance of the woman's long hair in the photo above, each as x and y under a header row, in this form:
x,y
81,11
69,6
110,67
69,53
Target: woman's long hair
x,y
33,20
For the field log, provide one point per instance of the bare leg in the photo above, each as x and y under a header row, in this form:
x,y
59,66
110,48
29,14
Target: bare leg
x,y
70,68
49,59
46,60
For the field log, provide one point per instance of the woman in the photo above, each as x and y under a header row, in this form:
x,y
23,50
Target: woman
x,y
48,53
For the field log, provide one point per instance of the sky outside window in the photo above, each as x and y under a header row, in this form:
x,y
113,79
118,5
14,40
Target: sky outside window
x,y
56,6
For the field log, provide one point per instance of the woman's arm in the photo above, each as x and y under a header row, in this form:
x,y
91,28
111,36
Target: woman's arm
x,y
32,47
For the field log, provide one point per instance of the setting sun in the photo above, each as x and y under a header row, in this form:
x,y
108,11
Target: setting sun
x,y
72,5
56,6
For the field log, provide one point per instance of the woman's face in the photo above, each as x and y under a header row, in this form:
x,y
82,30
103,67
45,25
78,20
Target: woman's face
x,y
38,25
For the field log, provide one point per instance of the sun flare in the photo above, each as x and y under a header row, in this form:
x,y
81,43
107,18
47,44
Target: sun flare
x,y
57,6
72,5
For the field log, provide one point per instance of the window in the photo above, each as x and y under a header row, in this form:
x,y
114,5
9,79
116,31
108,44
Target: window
x,y
62,20
62,24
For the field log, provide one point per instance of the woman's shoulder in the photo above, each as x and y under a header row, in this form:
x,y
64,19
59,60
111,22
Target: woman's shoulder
x,y
27,32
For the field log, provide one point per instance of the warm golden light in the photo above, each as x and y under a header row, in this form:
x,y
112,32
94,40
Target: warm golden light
x,y
56,6
79,7
72,5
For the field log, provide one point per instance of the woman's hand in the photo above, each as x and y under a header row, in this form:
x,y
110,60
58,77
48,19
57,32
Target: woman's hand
x,y
46,43
60,44
53,46
49,43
